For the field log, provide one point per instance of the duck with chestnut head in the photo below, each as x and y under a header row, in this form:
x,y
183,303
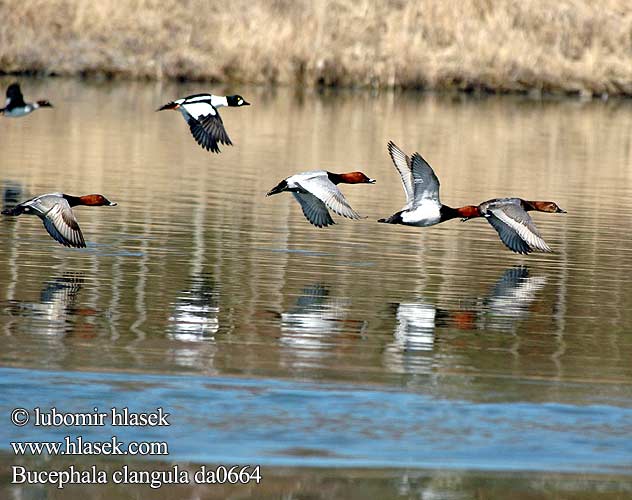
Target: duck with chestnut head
x,y
317,192
508,216
55,210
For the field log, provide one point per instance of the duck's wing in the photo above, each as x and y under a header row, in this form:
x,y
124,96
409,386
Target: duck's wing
x,y
206,125
314,210
425,182
59,220
403,166
515,228
15,99
327,192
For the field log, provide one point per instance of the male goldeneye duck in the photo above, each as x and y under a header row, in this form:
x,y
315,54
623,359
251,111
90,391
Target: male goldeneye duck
x,y
200,112
56,213
15,105
316,191
508,216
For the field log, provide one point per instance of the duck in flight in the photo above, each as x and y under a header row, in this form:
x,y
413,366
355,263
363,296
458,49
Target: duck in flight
x,y
55,210
317,191
508,216
15,105
201,113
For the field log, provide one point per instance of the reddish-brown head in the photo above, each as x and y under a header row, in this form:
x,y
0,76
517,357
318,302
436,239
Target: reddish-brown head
x,y
468,212
546,206
96,200
354,178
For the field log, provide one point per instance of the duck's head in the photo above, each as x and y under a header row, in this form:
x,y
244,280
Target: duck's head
x,y
96,200
547,206
236,100
356,178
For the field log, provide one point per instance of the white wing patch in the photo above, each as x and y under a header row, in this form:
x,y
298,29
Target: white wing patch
x,y
218,101
199,109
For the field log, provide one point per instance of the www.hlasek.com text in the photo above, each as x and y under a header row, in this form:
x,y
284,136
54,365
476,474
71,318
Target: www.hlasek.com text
x,y
79,446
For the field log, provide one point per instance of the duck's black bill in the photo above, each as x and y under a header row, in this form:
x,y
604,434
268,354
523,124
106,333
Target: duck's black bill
x,y
169,105
393,219
279,188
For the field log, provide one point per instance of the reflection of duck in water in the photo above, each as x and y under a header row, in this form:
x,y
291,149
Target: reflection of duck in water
x,y
314,318
415,326
195,312
510,298
508,301
56,306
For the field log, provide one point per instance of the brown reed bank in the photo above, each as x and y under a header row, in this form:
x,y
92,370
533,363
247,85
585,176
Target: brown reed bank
x,y
567,46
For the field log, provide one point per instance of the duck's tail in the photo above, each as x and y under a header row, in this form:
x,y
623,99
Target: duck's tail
x,y
279,188
396,218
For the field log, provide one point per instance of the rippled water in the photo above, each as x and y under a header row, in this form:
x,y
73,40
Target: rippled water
x,y
337,347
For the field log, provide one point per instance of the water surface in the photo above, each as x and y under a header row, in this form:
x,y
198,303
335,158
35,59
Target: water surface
x,y
360,340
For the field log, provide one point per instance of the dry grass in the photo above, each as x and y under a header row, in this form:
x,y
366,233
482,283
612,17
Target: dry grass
x,y
502,45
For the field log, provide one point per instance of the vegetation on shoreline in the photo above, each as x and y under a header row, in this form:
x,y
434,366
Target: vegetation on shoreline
x,y
568,46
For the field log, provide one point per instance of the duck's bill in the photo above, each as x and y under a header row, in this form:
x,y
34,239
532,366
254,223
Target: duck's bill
x,y
561,211
245,103
371,181
169,105
112,204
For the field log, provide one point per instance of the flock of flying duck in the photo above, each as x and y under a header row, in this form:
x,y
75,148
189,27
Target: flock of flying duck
x,y
316,191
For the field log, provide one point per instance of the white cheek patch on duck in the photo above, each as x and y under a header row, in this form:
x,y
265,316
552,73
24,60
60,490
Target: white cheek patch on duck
x,y
198,109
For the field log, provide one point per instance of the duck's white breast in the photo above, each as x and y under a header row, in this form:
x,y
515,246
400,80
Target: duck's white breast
x,y
426,214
